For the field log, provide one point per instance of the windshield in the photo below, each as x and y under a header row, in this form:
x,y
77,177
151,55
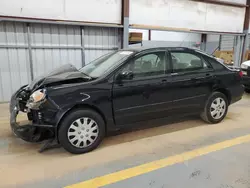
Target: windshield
x,y
103,64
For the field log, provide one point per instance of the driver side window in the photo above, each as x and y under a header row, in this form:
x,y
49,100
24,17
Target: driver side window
x,y
148,65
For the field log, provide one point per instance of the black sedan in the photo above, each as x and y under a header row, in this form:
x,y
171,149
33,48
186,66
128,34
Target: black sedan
x,y
77,108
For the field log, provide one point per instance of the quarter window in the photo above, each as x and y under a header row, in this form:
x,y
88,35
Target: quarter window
x,y
187,62
152,64
215,64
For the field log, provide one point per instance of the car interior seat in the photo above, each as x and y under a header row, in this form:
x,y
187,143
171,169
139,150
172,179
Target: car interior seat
x,y
160,66
196,63
146,67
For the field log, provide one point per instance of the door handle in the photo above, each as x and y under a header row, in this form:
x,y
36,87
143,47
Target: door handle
x,y
164,80
202,77
208,75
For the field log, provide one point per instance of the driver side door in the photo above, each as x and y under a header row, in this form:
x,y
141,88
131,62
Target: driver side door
x,y
145,95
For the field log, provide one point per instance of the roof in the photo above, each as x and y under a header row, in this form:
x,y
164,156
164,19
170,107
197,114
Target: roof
x,y
142,48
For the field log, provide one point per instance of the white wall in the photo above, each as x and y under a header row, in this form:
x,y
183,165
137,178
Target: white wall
x,y
168,36
175,36
187,14
76,10
169,13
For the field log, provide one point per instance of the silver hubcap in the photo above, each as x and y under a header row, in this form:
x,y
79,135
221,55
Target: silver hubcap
x,y
83,132
218,108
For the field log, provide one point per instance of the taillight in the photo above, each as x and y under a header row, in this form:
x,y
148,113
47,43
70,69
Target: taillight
x,y
241,74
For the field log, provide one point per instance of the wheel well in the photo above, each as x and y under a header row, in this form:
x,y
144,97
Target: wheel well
x,y
83,106
226,93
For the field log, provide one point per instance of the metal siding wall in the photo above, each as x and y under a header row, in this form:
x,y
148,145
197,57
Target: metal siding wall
x,y
14,61
53,46
98,41
227,42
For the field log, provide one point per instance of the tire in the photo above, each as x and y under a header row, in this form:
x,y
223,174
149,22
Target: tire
x,y
86,127
207,116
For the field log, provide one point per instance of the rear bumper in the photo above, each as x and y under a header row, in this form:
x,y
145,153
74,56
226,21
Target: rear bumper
x,y
246,81
29,132
237,93
236,99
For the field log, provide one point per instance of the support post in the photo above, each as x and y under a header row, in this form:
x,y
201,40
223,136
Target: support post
x,y
82,46
125,22
219,48
245,45
238,50
203,41
246,30
149,34
31,70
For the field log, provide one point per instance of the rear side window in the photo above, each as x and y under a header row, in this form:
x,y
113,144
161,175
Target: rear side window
x,y
215,64
184,61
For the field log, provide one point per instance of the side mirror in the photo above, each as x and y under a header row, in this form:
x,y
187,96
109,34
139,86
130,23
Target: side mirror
x,y
126,75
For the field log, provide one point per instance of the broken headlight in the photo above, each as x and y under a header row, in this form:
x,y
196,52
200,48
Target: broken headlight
x,y
36,99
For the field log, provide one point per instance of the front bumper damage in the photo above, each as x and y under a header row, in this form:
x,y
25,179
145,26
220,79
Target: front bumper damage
x,y
31,131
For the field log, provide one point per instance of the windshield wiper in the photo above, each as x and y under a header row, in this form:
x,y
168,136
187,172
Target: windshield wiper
x,y
89,77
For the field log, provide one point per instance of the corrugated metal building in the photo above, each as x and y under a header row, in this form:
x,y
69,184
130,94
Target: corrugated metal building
x,y
54,36
30,50
227,42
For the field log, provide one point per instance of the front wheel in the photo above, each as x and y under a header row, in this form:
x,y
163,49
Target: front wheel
x,y
81,131
216,108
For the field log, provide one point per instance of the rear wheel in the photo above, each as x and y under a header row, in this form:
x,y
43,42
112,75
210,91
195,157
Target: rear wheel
x,y
216,108
81,131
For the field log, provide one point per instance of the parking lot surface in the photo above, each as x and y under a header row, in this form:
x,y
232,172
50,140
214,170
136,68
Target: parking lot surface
x,y
178,153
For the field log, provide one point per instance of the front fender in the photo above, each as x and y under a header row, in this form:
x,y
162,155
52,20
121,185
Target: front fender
x,y
96,97
62,112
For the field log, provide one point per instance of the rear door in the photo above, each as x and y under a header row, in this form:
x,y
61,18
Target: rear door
x,y
192,80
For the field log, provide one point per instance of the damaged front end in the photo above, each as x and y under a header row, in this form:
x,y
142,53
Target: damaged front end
x,y
42,111
36,130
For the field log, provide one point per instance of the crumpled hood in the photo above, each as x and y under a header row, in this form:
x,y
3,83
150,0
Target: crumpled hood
x,y
65,72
